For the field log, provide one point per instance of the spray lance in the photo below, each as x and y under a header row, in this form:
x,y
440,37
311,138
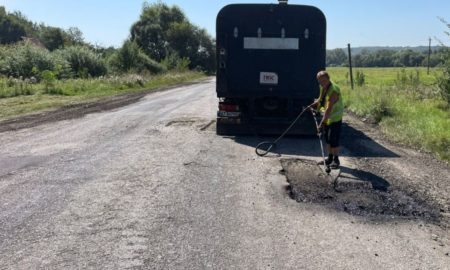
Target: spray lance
x,y
319,133
269,145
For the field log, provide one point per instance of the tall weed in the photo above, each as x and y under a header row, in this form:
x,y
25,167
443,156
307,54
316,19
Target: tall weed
x,y
12,87
360,78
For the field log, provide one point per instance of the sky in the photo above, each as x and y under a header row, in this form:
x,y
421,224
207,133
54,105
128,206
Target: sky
x,y
358,22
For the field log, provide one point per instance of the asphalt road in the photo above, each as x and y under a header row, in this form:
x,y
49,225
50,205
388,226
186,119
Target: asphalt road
x,y
150,186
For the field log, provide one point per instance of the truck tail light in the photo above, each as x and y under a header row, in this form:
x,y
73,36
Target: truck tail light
x,y
228,107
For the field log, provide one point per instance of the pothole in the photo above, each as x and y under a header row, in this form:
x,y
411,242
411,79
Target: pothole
x,y
355,192
180,123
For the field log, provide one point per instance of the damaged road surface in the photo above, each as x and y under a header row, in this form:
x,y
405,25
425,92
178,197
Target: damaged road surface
x,y
150,186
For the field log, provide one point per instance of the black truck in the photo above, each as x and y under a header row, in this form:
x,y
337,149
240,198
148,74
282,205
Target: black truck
x,y
268,56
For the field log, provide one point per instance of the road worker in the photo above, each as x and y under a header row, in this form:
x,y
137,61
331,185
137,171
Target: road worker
x,y
330,101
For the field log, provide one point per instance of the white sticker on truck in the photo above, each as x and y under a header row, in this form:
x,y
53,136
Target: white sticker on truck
x,y
260,43
268,78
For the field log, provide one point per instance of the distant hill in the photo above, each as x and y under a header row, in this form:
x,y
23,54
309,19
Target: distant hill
x,y
371,49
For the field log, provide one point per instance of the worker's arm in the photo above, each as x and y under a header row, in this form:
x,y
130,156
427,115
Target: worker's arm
x,y
329,106
316,104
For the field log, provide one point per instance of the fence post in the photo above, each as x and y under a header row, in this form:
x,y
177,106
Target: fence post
x,y
350,64
429,54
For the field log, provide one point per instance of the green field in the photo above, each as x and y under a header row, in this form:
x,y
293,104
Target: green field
x,y
405,103
385,76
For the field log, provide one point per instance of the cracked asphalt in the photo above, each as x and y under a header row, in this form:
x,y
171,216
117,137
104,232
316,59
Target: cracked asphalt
x,y
150,186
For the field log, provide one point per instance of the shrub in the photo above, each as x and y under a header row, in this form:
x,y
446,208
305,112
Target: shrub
x,y
174,62
83,61
28,61
25,60
130,58
379,108
49,79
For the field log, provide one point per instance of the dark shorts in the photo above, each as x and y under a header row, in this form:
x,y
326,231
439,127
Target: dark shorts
x,y
332,134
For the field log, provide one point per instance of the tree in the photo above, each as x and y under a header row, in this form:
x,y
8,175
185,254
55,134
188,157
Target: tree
x,y
436,58
192,42
204,57
384,58
52,37
30,27
150,32
164,31
336,57
131,58
408,58
73,36
11,30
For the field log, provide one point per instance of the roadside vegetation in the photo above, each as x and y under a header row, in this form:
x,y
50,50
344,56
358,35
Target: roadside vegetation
x,y
407,104
52,94
44,67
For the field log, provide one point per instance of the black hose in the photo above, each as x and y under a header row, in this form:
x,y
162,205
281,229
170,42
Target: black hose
x,y
274,143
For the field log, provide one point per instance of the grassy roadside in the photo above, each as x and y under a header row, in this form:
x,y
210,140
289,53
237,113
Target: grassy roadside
x,y
408,111
21,97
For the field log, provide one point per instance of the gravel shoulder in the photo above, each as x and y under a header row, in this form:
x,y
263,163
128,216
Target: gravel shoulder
x,y
417,174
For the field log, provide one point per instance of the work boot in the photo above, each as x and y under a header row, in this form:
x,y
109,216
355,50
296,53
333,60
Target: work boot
x,y
335,163
328,161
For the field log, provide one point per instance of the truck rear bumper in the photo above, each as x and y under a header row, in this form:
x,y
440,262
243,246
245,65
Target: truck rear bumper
x,y
230,126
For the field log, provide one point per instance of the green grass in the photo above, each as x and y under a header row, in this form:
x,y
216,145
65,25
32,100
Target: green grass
x,y
408,112
41,97
384,76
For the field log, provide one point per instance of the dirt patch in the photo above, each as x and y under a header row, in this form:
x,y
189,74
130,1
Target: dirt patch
x,y
353,192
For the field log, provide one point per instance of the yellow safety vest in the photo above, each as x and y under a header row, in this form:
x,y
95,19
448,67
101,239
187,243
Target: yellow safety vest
x,y
338,108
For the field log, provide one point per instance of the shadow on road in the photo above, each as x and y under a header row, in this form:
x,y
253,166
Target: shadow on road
x,y
354,144
378,183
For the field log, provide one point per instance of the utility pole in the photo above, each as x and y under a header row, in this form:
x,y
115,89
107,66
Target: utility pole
x,y
429,54
350,64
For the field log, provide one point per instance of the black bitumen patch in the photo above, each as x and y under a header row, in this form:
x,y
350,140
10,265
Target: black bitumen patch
x,y
353,191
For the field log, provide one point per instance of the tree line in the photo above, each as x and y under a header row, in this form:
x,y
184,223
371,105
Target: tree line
x,y
386,58
162,39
